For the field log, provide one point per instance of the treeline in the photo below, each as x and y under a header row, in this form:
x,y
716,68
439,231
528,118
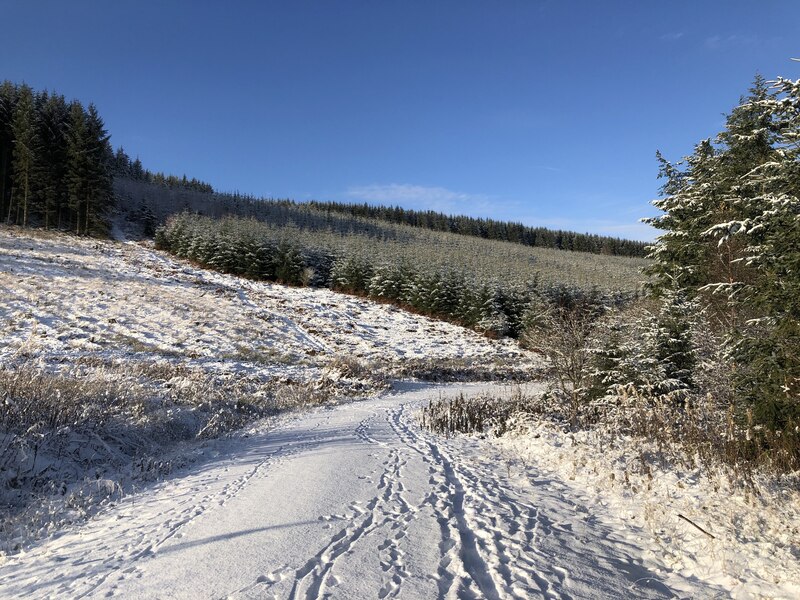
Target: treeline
x,y
57,165
123,166
54,162
251,249
517,233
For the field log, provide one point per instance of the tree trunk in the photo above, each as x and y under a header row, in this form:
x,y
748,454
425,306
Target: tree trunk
x,y
25,202
86,225
10,206
3,171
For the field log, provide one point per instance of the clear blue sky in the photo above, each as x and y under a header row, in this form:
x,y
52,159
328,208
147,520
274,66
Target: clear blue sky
x,y
546,112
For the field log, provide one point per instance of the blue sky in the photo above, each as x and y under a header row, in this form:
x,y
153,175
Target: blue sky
x,y
545,112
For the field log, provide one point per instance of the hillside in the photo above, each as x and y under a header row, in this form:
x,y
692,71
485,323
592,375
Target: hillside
x,y
175,416
311,226
125,352
66,296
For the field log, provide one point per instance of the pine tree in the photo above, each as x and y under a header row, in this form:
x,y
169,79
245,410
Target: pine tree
x,y
8,100
732,221
51,159
77,166
99,192
24,131
768,229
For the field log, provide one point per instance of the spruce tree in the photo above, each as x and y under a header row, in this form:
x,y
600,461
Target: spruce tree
x,y
51,159
99,193
24,131
732,240
8,100
77,165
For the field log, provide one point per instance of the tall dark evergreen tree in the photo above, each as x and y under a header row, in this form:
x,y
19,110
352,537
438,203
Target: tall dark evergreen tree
x,y
24,131
77,165
8,99
732,240
51,159
99,192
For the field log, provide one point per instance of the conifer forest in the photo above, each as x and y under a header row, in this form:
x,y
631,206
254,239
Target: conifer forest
x,y
54,168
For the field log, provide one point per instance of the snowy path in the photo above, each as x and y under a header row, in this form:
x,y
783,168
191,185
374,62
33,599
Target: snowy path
x,y
348,502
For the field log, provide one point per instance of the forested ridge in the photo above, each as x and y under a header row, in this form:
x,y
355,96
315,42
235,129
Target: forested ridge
x,y
507,231
57,166
123,166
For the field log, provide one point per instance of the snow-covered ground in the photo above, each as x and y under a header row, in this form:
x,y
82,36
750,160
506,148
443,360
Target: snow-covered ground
x,y
741,540
136,352
62,296
352,501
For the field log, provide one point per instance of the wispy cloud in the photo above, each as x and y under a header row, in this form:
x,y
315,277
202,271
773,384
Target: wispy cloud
x,y
418,196
672,36
719,42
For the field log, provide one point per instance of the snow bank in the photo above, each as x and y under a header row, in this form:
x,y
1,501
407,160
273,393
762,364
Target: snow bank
x,y
746,540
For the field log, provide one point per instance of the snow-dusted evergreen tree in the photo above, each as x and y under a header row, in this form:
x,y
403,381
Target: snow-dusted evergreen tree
x,y
732,221
288,263
351,274
705,193
670,338
391,281
767,227
492,317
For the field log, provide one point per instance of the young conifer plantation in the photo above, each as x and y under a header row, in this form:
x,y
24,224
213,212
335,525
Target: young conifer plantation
x,y
492,286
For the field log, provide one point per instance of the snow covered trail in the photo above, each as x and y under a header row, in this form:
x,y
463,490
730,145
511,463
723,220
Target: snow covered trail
x,y
352,501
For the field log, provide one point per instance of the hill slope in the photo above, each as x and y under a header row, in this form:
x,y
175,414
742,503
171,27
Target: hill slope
x,y
66,296
121,368
114,356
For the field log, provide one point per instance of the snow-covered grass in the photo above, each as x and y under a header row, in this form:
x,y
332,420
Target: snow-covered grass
x,y
698,516
64,297
116,361
744,539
